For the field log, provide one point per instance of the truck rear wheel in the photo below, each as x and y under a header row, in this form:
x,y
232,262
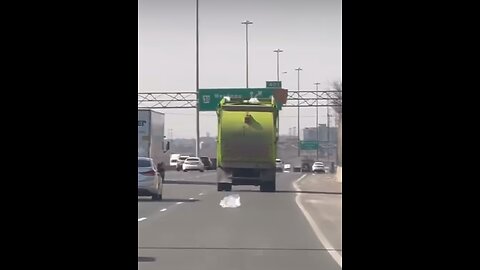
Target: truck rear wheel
x,y
268,183
268,186
224,186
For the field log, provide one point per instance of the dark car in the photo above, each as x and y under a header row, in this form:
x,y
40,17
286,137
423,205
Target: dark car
x,y
214,163
306,167
206,162
180,161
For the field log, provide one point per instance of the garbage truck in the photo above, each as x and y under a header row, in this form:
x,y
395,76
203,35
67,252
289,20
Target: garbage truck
x,y
247,143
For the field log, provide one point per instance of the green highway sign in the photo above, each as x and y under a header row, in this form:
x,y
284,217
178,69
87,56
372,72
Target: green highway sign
x,y
210,98
274,84
308,145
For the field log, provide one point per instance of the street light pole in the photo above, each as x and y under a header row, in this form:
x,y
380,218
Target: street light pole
x,y
298,111
197,146
328,134
247,22
283,73
316,123
278,51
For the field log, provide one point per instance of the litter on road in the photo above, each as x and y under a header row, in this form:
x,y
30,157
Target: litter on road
x,y
231,201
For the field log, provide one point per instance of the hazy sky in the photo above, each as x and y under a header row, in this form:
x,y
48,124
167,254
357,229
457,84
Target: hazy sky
x,y
308,31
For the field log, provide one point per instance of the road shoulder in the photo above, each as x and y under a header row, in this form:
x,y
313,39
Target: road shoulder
x,y
320,200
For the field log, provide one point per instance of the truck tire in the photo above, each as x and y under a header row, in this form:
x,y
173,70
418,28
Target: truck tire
x,y
268,183
221,179
268,186
224,187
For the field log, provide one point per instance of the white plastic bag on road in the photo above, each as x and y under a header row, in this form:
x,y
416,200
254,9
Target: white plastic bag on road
x,y
230,201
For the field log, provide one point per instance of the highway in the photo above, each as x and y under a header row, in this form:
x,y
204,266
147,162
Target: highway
x,y
298,227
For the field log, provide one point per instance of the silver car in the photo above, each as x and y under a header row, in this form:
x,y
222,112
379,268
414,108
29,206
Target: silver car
x,y
149,183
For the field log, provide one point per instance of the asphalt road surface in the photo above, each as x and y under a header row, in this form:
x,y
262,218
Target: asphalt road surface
x,y
298,227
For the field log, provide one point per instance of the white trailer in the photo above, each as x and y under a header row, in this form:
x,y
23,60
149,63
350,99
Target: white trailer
x,y
151,136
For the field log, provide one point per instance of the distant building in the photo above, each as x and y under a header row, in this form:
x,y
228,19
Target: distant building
x,y
310,133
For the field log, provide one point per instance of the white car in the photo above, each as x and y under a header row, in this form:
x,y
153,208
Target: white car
x,y
318,167
174,159
149,183
193,164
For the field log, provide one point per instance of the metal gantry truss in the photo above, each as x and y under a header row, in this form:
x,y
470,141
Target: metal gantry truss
x,y
167,100
188,100
308,98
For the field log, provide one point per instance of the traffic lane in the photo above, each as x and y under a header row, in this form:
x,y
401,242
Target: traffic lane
x,y
249,218
210,178
173,195
326,210
283,184
232,259
267,225
323,183
181,175
187,187
284,180
192,177
321,197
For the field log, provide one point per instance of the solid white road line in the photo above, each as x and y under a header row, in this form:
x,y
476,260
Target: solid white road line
x,y
335,255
